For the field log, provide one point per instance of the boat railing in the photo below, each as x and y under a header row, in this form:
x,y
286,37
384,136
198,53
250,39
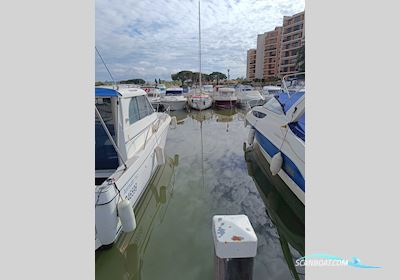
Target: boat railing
x,y
285,88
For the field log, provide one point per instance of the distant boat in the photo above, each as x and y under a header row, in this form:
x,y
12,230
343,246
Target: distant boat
x,y
173,100
208,88
162,88
248,97
130,140
225,97
270,91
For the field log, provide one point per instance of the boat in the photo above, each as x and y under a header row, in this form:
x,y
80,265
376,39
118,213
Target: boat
x,y
248,97
200,101
154,95
269,92
125,259
172,100
278,127
208,88
162,88
225,97
130,140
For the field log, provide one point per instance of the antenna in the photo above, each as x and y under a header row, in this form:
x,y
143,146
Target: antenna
x,y
102,60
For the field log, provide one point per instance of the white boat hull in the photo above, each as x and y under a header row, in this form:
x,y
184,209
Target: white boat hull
x,y
270,135
200,103
127,184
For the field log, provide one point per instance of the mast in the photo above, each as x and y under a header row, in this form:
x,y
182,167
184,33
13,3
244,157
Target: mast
x,y
199,49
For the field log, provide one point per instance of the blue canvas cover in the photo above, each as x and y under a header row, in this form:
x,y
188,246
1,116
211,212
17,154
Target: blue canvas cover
x,y
298,127
103,92
287,102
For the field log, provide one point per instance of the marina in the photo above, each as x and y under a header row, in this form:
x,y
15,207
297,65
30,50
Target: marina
x,y
207,173
200,177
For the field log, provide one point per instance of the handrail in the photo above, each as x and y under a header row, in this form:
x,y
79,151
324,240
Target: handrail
x,y
285,89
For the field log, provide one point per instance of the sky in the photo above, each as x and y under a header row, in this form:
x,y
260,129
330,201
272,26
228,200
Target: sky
x,y
151,39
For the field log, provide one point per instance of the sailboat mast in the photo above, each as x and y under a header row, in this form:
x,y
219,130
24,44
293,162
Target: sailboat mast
x,y
199,49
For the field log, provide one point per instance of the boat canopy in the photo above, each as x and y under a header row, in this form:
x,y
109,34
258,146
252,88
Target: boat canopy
x,y
298,127
286,101
106,92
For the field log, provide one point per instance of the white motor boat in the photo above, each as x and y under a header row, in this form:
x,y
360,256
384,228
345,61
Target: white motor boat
x,y
130,141
248,97
278,127
173,100
153,93
225,97
208,88
162,88
269,92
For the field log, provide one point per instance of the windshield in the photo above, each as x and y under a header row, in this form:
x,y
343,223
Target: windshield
x,y
273,105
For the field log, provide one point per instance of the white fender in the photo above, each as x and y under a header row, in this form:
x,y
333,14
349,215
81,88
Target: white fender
x,y
252,133
126,215
173,122
160,155
276,163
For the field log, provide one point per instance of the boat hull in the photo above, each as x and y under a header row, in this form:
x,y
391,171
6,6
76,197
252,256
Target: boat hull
x,y
271,136
290,181
226,104
172,105
201,103
127,184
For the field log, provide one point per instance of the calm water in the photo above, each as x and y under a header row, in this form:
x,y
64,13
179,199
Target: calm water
x,y
207,174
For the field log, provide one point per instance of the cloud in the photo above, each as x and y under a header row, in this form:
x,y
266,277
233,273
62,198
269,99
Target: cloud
x,y
152,39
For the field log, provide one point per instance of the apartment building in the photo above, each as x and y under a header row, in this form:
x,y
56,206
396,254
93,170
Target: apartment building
x,y
271,56
260,56
251,64
292,40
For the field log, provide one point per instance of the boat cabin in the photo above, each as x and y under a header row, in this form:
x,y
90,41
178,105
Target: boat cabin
x,y
125,113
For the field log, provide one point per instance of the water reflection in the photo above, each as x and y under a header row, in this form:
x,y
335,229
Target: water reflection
x,y
173,239
124,260
282,206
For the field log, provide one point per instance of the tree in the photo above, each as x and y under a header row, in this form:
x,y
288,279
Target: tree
x,y
217,76
182,76
133,81
301,59
159,81
155,81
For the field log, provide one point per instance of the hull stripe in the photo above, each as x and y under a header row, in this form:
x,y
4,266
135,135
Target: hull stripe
x,y
288,165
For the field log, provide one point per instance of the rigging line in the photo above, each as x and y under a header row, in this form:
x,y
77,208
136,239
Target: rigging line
x,y
108,70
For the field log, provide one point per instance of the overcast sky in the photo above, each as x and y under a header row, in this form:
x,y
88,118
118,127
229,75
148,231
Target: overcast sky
x,y
153,38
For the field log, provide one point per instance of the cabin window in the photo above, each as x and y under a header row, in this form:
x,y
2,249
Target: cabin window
x,y
144,105
139,108
134,115
258,114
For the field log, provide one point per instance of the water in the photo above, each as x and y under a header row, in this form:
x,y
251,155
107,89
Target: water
x,y
207,174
